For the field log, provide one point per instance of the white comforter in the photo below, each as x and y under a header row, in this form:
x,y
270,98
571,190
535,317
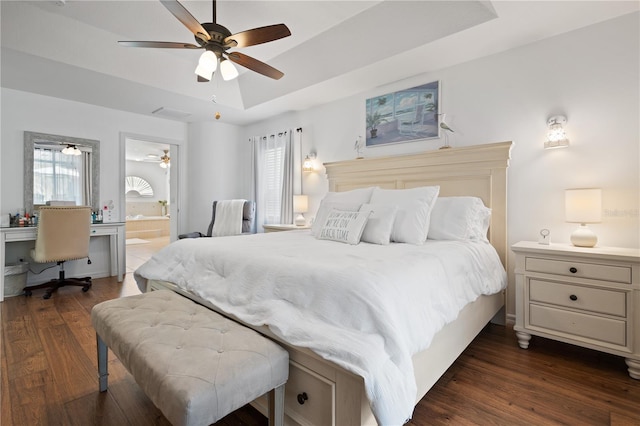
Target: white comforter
x,y
367,308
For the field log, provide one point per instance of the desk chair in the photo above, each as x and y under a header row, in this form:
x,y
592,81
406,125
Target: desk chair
x,y
63,234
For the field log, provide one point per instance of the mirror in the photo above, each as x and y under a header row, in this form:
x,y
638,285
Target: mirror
x,y
89,161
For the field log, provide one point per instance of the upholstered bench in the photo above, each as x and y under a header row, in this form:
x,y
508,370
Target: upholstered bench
x,y
195,365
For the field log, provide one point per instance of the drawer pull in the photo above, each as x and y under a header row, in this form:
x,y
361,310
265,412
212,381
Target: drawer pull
x,y
302,397
573,297
573,270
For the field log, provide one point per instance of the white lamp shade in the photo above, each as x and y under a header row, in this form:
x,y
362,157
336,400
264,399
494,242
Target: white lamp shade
x,y
207,64
583,205
300,203
228,71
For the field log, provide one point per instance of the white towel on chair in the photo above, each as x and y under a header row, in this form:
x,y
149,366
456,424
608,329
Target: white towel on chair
x,y
228,218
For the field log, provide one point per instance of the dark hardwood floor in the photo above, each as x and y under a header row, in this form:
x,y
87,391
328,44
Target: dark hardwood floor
x,y
49,375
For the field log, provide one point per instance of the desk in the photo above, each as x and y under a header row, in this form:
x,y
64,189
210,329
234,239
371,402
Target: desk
x,y
115,231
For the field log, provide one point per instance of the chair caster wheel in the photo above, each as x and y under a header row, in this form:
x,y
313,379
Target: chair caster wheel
x,y
86,288
27,293
47,296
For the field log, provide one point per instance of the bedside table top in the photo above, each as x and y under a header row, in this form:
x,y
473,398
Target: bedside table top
x,y
285,226
621,253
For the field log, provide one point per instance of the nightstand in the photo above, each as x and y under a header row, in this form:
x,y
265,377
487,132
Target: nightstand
x,y
588,297
278,227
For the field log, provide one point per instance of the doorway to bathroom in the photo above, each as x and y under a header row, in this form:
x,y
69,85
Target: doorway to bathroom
x,y
149,193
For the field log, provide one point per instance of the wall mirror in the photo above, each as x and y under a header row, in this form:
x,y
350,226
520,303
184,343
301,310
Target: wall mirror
x,y
60,168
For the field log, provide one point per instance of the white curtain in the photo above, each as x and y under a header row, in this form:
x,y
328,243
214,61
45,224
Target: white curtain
x,y
273,178
286,199
87,179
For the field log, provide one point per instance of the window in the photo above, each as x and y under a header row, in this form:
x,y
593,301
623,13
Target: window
x,y
57,176
273,164
135,186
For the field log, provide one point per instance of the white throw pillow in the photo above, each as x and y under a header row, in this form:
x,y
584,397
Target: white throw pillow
x,y
344,227
380,224
346,200
414,209
324,210
459,218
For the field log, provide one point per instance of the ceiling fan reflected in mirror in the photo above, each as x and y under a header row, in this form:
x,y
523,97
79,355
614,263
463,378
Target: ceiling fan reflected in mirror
x,y
217,40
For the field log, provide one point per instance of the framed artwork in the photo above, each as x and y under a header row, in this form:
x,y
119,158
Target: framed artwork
x,y
403,116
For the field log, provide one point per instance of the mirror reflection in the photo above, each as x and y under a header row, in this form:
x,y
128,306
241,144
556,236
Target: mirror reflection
x,y
60,169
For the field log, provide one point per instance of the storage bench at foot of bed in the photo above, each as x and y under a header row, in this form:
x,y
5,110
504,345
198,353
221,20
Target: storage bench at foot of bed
x,y
195,365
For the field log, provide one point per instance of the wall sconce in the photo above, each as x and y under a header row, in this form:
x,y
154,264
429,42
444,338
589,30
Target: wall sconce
x,y
300,205
307,164
556,138
583,206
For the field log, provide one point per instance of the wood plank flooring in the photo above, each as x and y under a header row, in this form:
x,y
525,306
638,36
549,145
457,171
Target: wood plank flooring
x,y
49,375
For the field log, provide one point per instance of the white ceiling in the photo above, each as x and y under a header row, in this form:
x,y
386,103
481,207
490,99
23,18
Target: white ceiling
x,y
337,48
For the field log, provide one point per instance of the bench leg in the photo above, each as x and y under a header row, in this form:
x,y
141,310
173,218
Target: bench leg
x,y
276,406
103,373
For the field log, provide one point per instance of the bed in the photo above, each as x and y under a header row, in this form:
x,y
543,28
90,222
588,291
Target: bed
x,y
325,387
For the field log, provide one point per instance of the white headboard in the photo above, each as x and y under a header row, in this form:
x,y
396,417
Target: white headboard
x,y
479,170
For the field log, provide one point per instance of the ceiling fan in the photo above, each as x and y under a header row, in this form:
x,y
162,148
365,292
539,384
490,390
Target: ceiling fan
x,y
217,40
163,161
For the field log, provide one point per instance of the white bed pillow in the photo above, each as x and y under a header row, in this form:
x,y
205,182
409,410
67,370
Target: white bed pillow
x,y
344,226
361,195
380,224
459,218
347,200
414,205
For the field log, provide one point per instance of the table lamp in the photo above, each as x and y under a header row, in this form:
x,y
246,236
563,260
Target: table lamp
x,y
583,206
300,205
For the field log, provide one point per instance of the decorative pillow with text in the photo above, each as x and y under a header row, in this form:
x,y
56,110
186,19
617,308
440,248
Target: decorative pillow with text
x,y
343,226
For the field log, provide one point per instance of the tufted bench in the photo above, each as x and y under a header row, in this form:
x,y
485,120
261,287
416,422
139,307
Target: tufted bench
x,y
195,365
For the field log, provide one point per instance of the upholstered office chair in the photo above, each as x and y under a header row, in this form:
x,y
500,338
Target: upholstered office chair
x,y
248,221
63,234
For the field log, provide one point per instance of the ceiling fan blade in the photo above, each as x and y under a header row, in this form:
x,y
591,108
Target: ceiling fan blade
x,y
159,44
186,18
255,65
257,36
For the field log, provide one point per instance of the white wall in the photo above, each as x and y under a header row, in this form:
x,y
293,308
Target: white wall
x,y
217,169
590,75
27,111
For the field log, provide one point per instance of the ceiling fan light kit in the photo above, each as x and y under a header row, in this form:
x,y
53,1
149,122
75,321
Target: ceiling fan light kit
x,y
207,64
228,71
217,40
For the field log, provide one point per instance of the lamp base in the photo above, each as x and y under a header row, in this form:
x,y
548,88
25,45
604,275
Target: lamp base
x,y
583,237
300,220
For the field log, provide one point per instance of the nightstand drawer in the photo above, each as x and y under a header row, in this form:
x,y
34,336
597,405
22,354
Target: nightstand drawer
x,y
318,407
585,298
592,327
621,274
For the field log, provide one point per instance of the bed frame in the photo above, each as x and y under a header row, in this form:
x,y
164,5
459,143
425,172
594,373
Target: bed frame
x,y
336,396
